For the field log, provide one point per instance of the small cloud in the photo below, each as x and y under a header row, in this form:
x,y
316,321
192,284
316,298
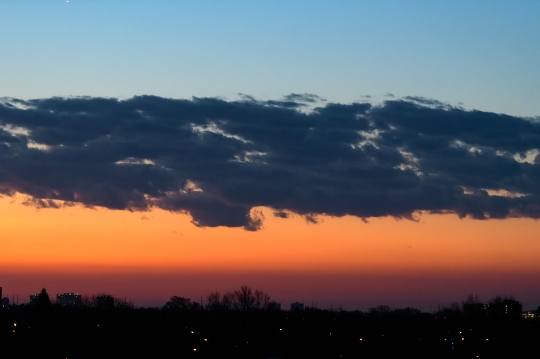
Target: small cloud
x,y
311,218
8,192
428,102
144,218
40,203
388,94
281,214
306,97
246,97
257,218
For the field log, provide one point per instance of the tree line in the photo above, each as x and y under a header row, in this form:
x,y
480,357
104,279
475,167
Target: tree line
x,y
245,299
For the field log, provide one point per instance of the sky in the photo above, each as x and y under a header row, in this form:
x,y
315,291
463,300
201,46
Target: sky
x,y
344,153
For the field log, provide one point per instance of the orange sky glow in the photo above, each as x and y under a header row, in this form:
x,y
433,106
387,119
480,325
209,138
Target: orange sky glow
x,y
150,256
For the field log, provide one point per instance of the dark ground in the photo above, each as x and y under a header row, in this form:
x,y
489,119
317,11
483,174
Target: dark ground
x,y
60,332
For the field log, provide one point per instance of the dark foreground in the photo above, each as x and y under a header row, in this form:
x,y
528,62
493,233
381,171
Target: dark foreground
x,y
58,332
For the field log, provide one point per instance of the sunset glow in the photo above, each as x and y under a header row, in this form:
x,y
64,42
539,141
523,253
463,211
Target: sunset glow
x,y
384,257
335,153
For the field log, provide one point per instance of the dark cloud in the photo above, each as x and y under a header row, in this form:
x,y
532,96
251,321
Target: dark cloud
x,y
311,218
281,214
218,160
41,203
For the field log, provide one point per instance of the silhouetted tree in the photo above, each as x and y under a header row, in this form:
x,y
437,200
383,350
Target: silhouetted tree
x,y
472,305
243,299
471,299
229,301
504,306
123,303
455,307
213,301
496,300
180,303
43,300
262,300
453,310
407,311
105,301
102,301
380,310
87,301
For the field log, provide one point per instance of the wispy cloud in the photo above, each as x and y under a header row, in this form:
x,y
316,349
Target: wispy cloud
x,y
216,160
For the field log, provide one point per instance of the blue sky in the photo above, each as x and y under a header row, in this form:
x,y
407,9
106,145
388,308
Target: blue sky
x,y
484,54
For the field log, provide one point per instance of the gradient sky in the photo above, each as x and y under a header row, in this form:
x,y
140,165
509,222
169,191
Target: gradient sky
x,y
469,56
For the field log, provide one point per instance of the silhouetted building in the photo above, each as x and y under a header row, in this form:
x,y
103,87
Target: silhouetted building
x,y
498,307
274,306
34,298
5,301
475,309
507,308
69,300
296,305
528,315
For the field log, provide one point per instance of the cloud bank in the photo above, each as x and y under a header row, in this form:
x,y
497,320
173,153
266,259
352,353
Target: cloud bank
x,y
217,159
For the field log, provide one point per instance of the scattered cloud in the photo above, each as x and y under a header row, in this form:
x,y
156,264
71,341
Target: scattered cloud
x,y
306,97
216,160
311,218
281,214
